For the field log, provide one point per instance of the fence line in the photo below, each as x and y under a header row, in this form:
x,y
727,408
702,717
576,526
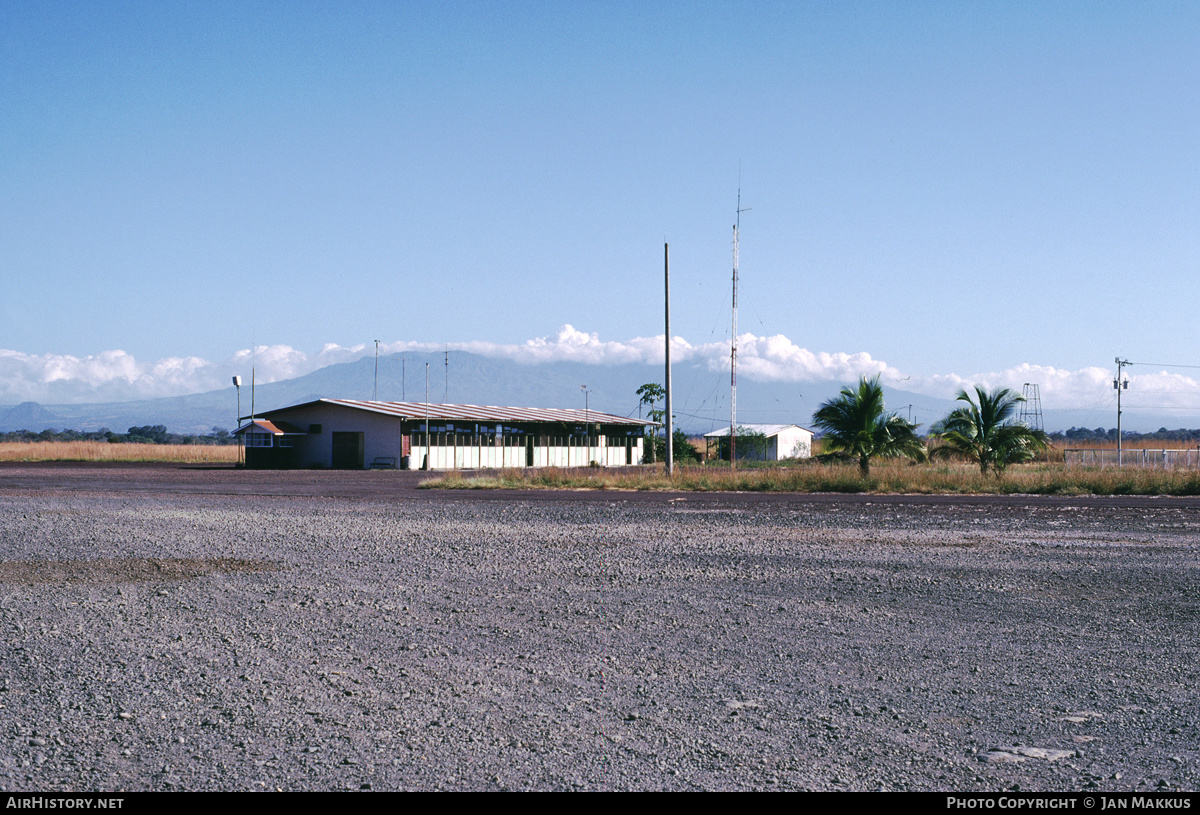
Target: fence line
x,y
1160,458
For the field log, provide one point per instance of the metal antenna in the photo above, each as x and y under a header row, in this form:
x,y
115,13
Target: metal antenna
x,y
733,349
1031,408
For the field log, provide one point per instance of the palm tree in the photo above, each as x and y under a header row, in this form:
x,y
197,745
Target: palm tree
x,y
982,432
855,424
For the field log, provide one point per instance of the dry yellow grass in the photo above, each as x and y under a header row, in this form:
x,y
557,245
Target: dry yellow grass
x,y
103,451
886,477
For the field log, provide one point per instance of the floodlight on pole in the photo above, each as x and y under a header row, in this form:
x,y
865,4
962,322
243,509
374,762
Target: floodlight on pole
x,y
375,391
237,383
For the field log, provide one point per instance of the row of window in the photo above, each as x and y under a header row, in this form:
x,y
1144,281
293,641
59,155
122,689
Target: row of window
x,y
267,440
446,436
488,430
490,440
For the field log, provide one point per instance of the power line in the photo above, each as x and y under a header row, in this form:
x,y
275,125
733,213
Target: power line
x,y
1162,365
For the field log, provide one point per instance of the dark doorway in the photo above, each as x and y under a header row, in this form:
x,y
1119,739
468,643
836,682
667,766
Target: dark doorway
x,y
347,451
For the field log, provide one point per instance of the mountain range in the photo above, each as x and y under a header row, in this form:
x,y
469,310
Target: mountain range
x,y
701,396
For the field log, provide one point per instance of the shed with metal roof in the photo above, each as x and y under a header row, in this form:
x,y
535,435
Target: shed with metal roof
x,y
358,434
762,442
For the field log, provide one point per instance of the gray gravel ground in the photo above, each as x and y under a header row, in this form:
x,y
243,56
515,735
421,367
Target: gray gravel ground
x,y
183,641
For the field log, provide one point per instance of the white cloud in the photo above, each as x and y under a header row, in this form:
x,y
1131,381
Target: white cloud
x,y
571,345
1082,388
779,359
102,377
759,358
117,376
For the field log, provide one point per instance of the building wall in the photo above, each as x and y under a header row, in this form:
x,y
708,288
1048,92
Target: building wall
x,y
791,441
552,453
582,455
381,434
382,437
271,458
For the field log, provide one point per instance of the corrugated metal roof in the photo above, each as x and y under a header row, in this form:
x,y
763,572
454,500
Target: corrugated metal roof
x,y
765,429
259,424
278,428
475,413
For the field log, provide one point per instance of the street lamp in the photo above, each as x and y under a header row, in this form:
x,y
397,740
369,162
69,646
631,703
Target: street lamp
x,y
237,383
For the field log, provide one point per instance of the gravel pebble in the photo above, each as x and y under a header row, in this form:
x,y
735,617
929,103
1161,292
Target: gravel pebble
x,y
201,642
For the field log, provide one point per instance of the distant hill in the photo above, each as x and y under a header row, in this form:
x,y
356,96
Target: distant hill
x,y
27,415
701,396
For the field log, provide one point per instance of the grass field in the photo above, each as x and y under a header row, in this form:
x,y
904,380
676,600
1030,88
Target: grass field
x,y
1050,478
103,451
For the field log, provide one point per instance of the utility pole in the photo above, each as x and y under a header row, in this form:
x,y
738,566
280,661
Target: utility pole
x,y
375,390
427,461
1120,384
587,423
670,420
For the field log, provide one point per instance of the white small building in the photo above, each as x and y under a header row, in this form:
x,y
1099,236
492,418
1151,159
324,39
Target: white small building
x,y
762,442
349,434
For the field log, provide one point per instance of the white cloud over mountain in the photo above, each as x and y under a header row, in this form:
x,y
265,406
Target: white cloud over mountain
x,y
118,376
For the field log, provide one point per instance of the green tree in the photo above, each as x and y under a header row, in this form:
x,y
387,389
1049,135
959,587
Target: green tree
x,y
649,395
149,434
682,449
983,433
752,444
855,424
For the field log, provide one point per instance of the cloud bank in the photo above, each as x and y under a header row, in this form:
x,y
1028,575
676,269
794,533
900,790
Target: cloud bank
x,y
112,376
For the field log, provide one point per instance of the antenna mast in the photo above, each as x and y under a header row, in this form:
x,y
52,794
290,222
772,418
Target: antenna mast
x,y
733,347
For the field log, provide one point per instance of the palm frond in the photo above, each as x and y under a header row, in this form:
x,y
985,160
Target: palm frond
x,y
982,432
855,424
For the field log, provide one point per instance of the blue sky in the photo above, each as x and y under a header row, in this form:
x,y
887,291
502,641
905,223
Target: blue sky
x,y
944,192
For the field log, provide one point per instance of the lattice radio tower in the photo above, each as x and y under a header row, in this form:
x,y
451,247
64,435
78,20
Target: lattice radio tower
x,y
733,347
1031,408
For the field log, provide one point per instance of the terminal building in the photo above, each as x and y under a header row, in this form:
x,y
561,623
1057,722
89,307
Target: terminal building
x,y
349,434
